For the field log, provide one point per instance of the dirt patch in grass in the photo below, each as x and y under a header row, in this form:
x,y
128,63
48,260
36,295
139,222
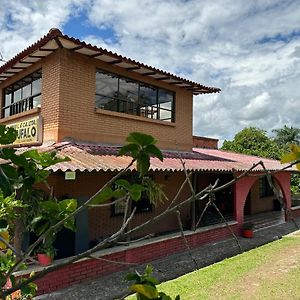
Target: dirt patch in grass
x,y
274,268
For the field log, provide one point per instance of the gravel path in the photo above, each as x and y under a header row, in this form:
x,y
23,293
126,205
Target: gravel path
x,y
114,287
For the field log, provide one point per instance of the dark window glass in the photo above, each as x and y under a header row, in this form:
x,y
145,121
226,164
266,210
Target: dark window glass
x,y
17,95
23,95
106,91
128,96
165,104
132,97
264,188
148,100
7,99
36,86
26,91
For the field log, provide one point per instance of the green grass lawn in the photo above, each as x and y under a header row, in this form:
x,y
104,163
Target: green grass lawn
x,y
268,272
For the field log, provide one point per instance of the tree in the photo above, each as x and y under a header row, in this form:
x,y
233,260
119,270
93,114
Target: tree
x,y
253,141
286,135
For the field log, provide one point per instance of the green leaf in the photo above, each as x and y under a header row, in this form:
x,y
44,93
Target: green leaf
x,y
40,227
130,148
119,193
140,139
149,270
152,149
70,224
135,191
68,205
33,154
123,183
132,276
5,185
163,296
145,290
289,157
50,206
36,220
10,171
107,193
7,135
8,152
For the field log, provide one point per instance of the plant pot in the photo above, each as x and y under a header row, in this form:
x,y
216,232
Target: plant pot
x,y
247,233
44,259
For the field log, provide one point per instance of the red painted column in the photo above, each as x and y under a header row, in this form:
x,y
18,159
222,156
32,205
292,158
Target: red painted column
x,y
284,181
241,190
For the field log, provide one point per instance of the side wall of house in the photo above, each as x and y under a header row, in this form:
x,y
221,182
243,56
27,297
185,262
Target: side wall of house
x,y
101,221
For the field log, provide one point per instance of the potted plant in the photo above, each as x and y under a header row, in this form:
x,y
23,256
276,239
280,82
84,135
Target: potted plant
x,y
46,252
247,230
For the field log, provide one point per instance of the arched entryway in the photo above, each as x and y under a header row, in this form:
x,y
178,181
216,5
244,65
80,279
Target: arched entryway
x,y
263,207
243,186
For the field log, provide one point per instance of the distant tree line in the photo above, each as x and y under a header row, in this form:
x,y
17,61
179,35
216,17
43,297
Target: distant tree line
x,y
255,141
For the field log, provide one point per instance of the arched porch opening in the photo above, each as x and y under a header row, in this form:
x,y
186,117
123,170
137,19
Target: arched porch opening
x,y
263,207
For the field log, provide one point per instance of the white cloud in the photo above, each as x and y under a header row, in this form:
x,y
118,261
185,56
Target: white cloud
x,y
24,22
250,49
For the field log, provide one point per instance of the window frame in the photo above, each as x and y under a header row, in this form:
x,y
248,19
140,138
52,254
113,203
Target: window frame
x,y
140,109
24,103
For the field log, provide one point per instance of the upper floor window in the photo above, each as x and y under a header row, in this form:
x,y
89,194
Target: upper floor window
x,y
23,95
128,96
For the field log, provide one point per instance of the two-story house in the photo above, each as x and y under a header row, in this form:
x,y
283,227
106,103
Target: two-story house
x,y
81,100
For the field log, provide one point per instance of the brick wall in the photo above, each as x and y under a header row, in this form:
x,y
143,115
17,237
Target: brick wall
x,y
260,204
92,268
102,223
79,120
205,142
295,212
68,105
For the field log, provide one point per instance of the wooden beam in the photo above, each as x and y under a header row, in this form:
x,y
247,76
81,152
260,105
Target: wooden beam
x,y
36,56
115,61
77,48
26,62
95,55
132,68
176,82
9,72
148,73
58,42
47,50
18,68
162,78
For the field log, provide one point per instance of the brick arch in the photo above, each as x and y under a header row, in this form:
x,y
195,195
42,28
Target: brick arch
x,y
243,186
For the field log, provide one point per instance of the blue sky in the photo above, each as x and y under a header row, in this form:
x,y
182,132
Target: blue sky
x,y
250,49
